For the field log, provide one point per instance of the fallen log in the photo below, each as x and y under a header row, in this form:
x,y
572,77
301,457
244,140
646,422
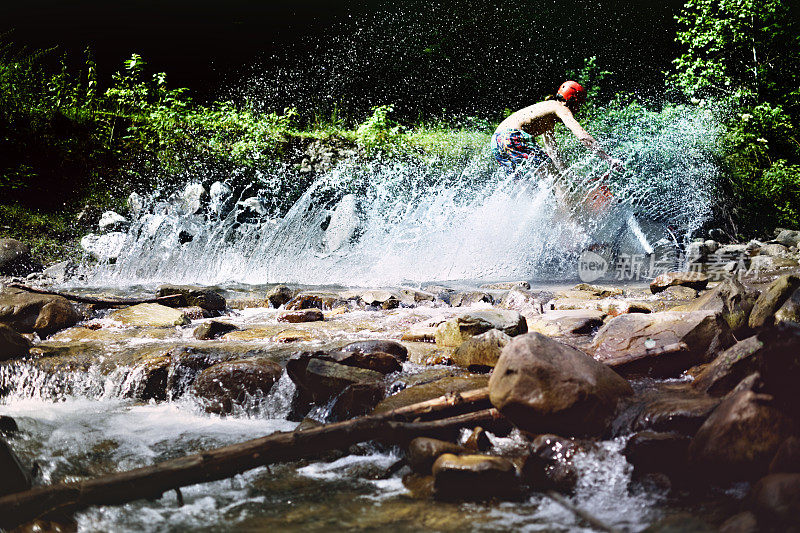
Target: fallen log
x,y
151,482
173,300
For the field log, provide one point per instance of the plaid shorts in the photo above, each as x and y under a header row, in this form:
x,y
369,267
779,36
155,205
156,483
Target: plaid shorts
x,y
514,147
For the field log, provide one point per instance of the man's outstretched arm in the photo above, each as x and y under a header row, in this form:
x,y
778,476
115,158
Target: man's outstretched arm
x,y
587,140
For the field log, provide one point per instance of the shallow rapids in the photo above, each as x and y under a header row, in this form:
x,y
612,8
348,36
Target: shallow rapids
x,y
94,427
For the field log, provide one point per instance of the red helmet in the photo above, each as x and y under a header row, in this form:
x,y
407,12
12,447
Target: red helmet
x,y
572,90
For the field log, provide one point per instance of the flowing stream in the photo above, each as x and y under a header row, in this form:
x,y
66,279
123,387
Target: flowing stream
x,y
372,223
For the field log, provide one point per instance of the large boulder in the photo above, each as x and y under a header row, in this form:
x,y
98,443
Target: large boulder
x,y
780,367
14,478
730,367
665,453
28,312
787,458
12,344
15,258
279,295
474,477
202,297
566,323
627,337
788,237
543,386
230,384
150,315
772,299
731,299
741,436
456,330
481,350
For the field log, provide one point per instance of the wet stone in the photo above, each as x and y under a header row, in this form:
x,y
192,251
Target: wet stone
x,y
202,297
378,361
507,285
423,452
773,297
549,464
731,299
469,298
280,295
478,440
730,367
428,391
8,426
543,386
664,408
474,477
304,315
741,436
370,346
481,351
456,330
213,329
150,315
15,477
651,452
230,384
745,522
307,300
357,399
12,344
25,312
693,280
293,335
321,380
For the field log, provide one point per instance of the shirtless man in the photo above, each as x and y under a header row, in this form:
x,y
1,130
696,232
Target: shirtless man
x,y
513,141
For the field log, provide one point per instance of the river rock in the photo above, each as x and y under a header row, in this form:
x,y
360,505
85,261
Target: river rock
x,y
382,299
567,323
14,478
356,400
187,362
203,297
304,315
150,315
474,477
423,452
775,250
456,330
478,440
780,366
148,380
507,286
279,295
788,238
543,386
521,300
430,390
650,452
313,300
469,298
731,299
212,329
8,426
549,464
730,367
411,297
586,291
293,335
705,334
769,264
15,258
790,310
12,344
225,385
385,346
481,350
694,280
321,380
384,363
61,271
741,436
773,297
787,458
663,407
775,499
27,312
420,333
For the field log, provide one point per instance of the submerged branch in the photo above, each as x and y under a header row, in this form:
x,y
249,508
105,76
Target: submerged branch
x,y
153,481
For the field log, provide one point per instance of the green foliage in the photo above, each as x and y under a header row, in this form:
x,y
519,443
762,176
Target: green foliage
x,y
379,132
742,59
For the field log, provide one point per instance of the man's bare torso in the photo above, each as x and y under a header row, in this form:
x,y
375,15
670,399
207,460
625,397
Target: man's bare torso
x,y
541,118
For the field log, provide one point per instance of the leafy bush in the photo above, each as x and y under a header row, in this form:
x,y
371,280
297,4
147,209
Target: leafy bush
x,y
379,132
